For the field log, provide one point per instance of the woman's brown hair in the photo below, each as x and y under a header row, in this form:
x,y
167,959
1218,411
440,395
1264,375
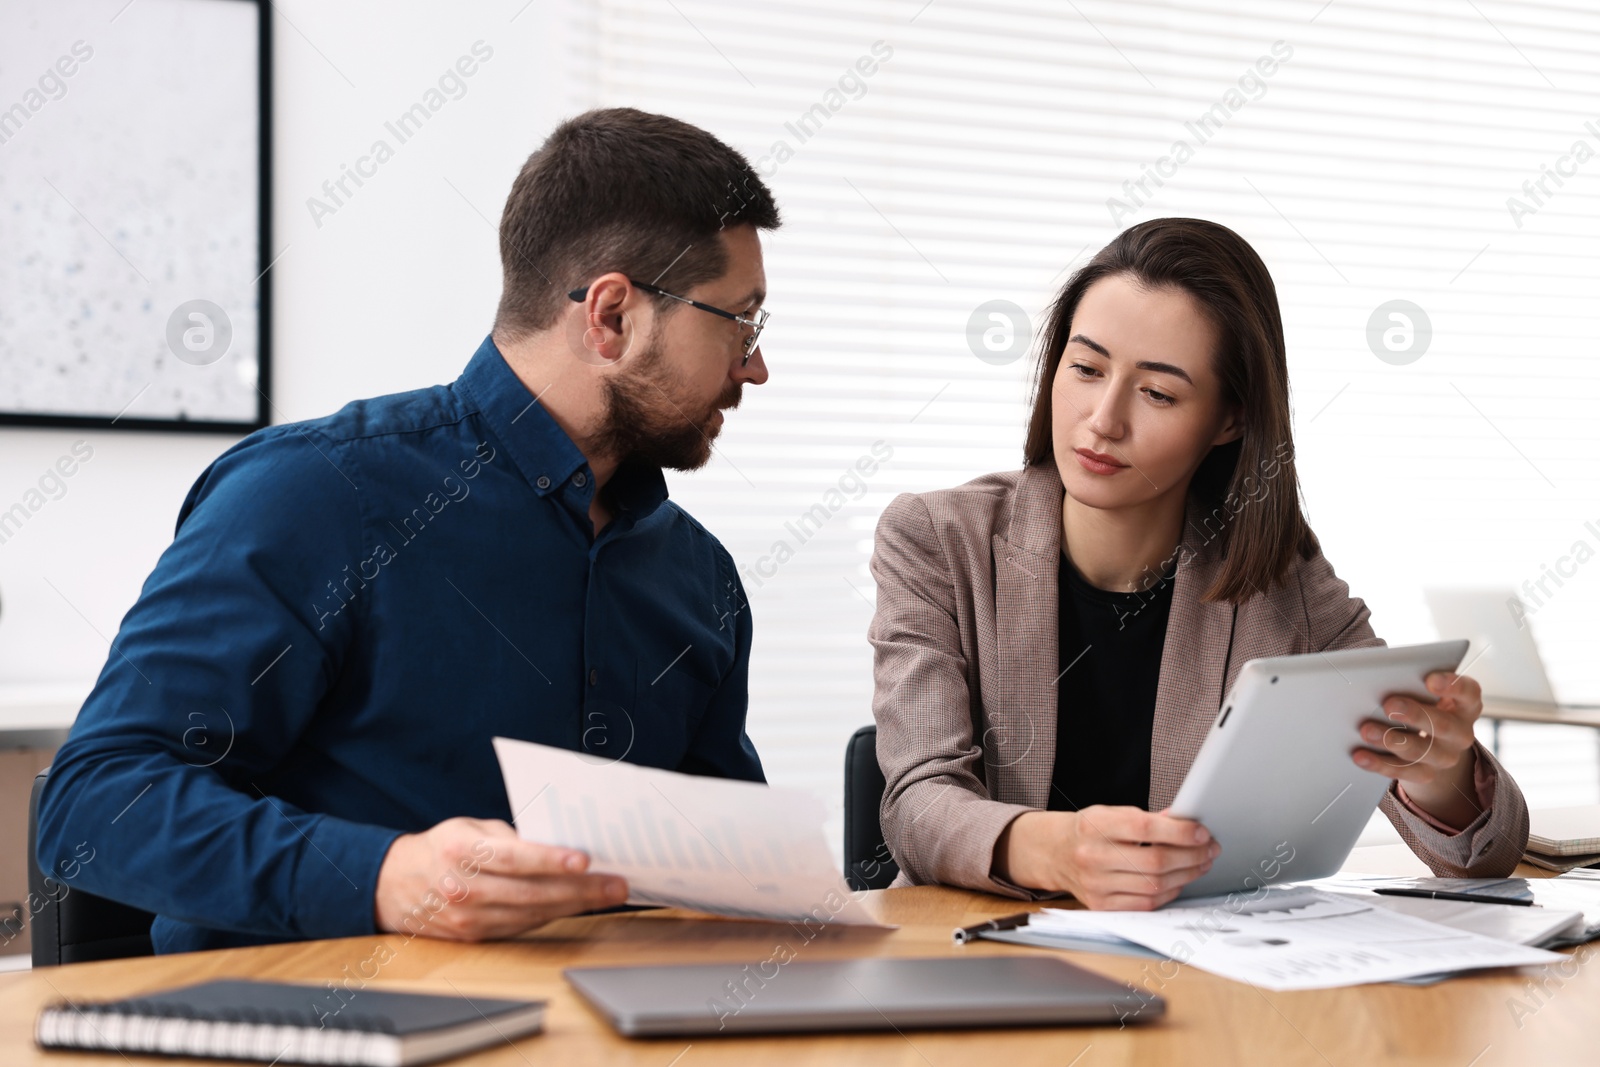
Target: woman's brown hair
x,y
1261,534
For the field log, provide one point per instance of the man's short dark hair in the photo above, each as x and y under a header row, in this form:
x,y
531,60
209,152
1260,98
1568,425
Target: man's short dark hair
x,y
618,189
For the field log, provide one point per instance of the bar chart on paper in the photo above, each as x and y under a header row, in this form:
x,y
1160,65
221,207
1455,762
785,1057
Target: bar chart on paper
x,y
731,848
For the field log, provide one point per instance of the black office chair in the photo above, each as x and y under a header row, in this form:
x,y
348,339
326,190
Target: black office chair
x,y
868,863
69,925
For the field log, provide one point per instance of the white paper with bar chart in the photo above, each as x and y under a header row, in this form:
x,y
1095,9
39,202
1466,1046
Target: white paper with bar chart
x,y
726,847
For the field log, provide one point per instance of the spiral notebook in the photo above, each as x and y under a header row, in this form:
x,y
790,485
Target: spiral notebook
x,y
1570,832
276,1022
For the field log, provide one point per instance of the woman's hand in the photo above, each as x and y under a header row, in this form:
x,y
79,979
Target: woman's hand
x,y
1110,858
1429,747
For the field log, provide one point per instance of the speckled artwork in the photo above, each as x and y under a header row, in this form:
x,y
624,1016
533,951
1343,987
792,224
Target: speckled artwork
x,y
129,200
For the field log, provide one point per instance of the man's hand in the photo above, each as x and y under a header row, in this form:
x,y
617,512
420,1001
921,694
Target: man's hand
x,y
475,879
1429,747
1110,858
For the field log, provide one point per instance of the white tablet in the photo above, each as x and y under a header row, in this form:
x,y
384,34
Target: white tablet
x,y
1274,782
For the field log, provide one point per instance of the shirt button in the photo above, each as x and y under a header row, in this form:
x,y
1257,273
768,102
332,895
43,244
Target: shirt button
x,y
542,482
580,479
594,676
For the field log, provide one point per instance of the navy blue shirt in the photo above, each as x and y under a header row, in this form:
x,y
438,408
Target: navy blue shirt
x,y
351,609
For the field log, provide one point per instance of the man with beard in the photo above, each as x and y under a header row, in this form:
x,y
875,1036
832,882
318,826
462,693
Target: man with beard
x,y
292,735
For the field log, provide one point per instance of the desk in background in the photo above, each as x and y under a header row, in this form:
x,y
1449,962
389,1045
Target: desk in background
x,y
34,720
1210,1020
1499,711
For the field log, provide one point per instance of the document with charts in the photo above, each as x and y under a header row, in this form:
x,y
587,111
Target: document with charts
x,y
710,844
1299,938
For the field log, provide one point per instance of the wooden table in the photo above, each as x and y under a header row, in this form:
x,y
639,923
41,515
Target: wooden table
x,y
1464,1022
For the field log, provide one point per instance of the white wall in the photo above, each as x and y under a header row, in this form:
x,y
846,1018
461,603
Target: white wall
x,y
392,292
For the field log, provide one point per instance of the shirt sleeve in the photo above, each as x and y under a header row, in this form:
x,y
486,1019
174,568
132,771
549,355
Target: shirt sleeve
x,y
238,634
1483,786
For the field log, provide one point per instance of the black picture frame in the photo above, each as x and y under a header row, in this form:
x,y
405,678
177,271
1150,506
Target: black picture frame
x,y
263,415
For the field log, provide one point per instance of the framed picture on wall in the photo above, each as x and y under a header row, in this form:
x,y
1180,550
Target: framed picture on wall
x,y
135,214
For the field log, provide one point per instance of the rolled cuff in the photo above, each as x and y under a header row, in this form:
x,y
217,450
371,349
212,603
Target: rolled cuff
x,y
1485,847
957,848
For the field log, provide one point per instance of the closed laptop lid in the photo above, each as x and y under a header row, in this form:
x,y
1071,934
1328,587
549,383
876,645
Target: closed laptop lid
x,y
866,994
1503,657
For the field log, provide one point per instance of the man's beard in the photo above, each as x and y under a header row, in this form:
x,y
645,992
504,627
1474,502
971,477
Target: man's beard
x,y
649,420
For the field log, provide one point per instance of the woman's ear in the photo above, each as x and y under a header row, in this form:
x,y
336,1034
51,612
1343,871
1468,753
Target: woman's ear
x,y
1232,426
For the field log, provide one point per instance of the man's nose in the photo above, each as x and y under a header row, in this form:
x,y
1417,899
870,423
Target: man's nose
x,y
754,372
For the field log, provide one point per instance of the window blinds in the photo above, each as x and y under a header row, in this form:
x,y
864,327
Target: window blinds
x,y
939,162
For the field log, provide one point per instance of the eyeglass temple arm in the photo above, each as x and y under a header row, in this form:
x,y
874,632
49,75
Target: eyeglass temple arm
x,y
582,294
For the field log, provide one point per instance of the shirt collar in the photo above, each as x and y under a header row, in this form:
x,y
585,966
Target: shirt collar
x,y
538,445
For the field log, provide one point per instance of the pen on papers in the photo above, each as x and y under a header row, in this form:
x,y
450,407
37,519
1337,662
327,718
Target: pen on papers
x,y
1009,922
1444,894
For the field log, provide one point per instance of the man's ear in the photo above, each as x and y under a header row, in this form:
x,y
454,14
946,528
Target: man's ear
x,y
606,329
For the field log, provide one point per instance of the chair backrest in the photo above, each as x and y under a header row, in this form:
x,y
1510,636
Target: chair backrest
x,y
69,925
868,863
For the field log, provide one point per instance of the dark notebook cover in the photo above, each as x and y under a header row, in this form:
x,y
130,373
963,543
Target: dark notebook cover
x,y
284,1004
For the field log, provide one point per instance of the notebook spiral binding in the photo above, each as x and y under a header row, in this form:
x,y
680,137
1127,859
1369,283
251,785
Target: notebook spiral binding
x,y
248,1033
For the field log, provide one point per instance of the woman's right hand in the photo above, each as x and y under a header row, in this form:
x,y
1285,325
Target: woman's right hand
x,y
1110,858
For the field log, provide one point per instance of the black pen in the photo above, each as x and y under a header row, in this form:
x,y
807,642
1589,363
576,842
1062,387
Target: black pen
x,y
1445,894
1010,922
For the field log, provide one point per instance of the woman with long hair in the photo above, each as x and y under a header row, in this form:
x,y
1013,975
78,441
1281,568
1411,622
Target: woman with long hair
x,y
1051,645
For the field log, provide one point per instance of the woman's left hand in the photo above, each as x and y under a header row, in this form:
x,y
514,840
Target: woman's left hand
x,y
1429,747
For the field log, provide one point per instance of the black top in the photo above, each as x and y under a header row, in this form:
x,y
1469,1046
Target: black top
x,y
1106,695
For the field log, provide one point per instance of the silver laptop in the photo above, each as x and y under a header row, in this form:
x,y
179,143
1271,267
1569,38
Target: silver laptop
x,y
1503,656
866,994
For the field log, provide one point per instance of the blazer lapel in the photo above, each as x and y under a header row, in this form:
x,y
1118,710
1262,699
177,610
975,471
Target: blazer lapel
x,y
1194,663
1020,743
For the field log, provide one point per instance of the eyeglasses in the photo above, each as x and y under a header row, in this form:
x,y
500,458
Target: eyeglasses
x,y
754,325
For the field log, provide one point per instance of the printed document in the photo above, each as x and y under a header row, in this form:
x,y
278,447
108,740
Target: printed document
x,y
684,841
1295,937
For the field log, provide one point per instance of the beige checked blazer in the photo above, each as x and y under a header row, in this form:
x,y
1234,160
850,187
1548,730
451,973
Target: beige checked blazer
x,y
965,661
